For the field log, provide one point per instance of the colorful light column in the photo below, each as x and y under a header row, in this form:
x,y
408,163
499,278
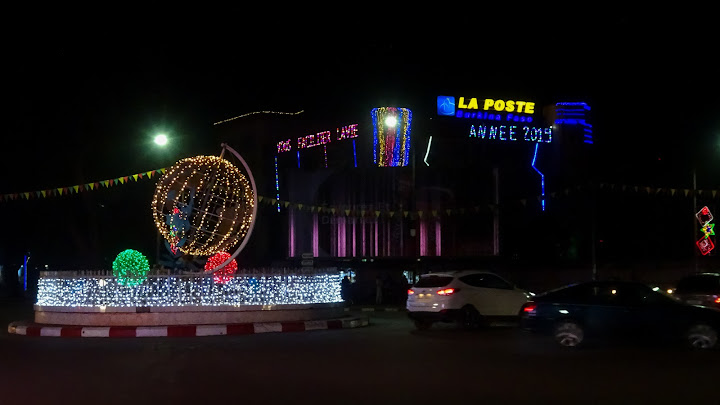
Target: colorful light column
x,y
391,136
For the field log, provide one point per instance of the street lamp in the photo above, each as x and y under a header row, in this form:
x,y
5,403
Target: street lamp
x,y
161,139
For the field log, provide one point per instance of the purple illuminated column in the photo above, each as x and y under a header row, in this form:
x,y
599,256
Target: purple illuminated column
x,y
423,238
291,233
341,232
375,223
363,236
438,234
315,238
354,236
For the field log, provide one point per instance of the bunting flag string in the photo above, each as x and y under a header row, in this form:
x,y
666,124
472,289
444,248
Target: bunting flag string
x,y
78,188
367,211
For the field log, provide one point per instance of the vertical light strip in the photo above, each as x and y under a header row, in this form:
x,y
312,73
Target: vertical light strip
x,y
362,237
291,233
325,152
354,236
438,239
427,152
354,153
277,184
315,237
376,236
298,158
423,238
542,178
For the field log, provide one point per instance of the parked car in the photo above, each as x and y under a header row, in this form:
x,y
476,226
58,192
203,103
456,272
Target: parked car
x,y
470,297
700,289
619,309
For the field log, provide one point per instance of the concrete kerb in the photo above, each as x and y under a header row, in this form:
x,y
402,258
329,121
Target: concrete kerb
x,y
34,329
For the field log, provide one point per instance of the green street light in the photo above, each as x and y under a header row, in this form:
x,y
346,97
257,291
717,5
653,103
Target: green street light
x,y
161,140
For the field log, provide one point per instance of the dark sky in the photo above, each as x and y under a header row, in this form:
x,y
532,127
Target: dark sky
x,y
83,99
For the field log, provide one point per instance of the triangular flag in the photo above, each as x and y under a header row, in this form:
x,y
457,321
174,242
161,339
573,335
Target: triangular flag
x,y
27,196
286,203
66,190
420,214
43,193
135,176
392,213
106,182
300,206
162,170
60,190
686,192
713,193
672,191
377,214
448,211
434,213
332,210
362,213
347,212
260,198
313,208
126,178
149,174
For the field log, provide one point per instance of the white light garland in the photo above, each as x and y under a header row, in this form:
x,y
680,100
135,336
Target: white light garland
x,y
168,291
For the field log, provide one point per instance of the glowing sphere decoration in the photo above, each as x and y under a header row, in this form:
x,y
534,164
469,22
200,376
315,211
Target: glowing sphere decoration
x,y
224,274
130,267
203,205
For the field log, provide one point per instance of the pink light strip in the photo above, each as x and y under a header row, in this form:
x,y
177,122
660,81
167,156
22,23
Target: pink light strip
x,y
315,238
291,233
438,237
423,238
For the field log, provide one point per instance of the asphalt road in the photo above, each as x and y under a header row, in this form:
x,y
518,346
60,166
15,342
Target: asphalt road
x,y
386,362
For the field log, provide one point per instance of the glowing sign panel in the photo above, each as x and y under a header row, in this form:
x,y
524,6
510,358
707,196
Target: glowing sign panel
x,y
320,138
486,109
511,133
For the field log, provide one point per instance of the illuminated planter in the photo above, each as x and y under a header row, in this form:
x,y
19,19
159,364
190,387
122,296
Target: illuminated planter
x,y
391,136
79,299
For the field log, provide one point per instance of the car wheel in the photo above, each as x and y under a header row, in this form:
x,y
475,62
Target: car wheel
x,y
702,337
470,318
569,334
422,325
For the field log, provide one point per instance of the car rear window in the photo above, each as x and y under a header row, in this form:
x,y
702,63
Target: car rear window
x,y
699,285
433,281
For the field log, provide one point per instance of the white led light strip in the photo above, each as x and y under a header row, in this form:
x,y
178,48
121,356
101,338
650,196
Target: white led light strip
x,y
164,291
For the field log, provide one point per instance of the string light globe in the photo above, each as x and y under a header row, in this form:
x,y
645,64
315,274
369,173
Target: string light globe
x,y
203,205
223,274
130,267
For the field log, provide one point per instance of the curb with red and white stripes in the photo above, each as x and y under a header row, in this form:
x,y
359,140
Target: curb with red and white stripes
x,y
33,329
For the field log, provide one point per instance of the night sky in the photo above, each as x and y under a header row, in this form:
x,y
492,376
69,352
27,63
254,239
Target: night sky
x,y
82,103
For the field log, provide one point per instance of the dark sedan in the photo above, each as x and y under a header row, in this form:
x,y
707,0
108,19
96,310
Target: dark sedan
x,y
618,309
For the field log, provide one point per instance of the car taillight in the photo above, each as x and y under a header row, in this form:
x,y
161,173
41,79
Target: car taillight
x,y
411,292
717,300
529,307
447,291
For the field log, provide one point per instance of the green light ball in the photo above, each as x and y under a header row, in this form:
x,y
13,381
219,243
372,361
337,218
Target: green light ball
x,y
131,267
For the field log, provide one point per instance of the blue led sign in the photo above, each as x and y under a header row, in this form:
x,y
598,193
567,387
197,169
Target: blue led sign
x,y
511,133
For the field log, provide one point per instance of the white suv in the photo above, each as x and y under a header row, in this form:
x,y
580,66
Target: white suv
x,y
470,297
